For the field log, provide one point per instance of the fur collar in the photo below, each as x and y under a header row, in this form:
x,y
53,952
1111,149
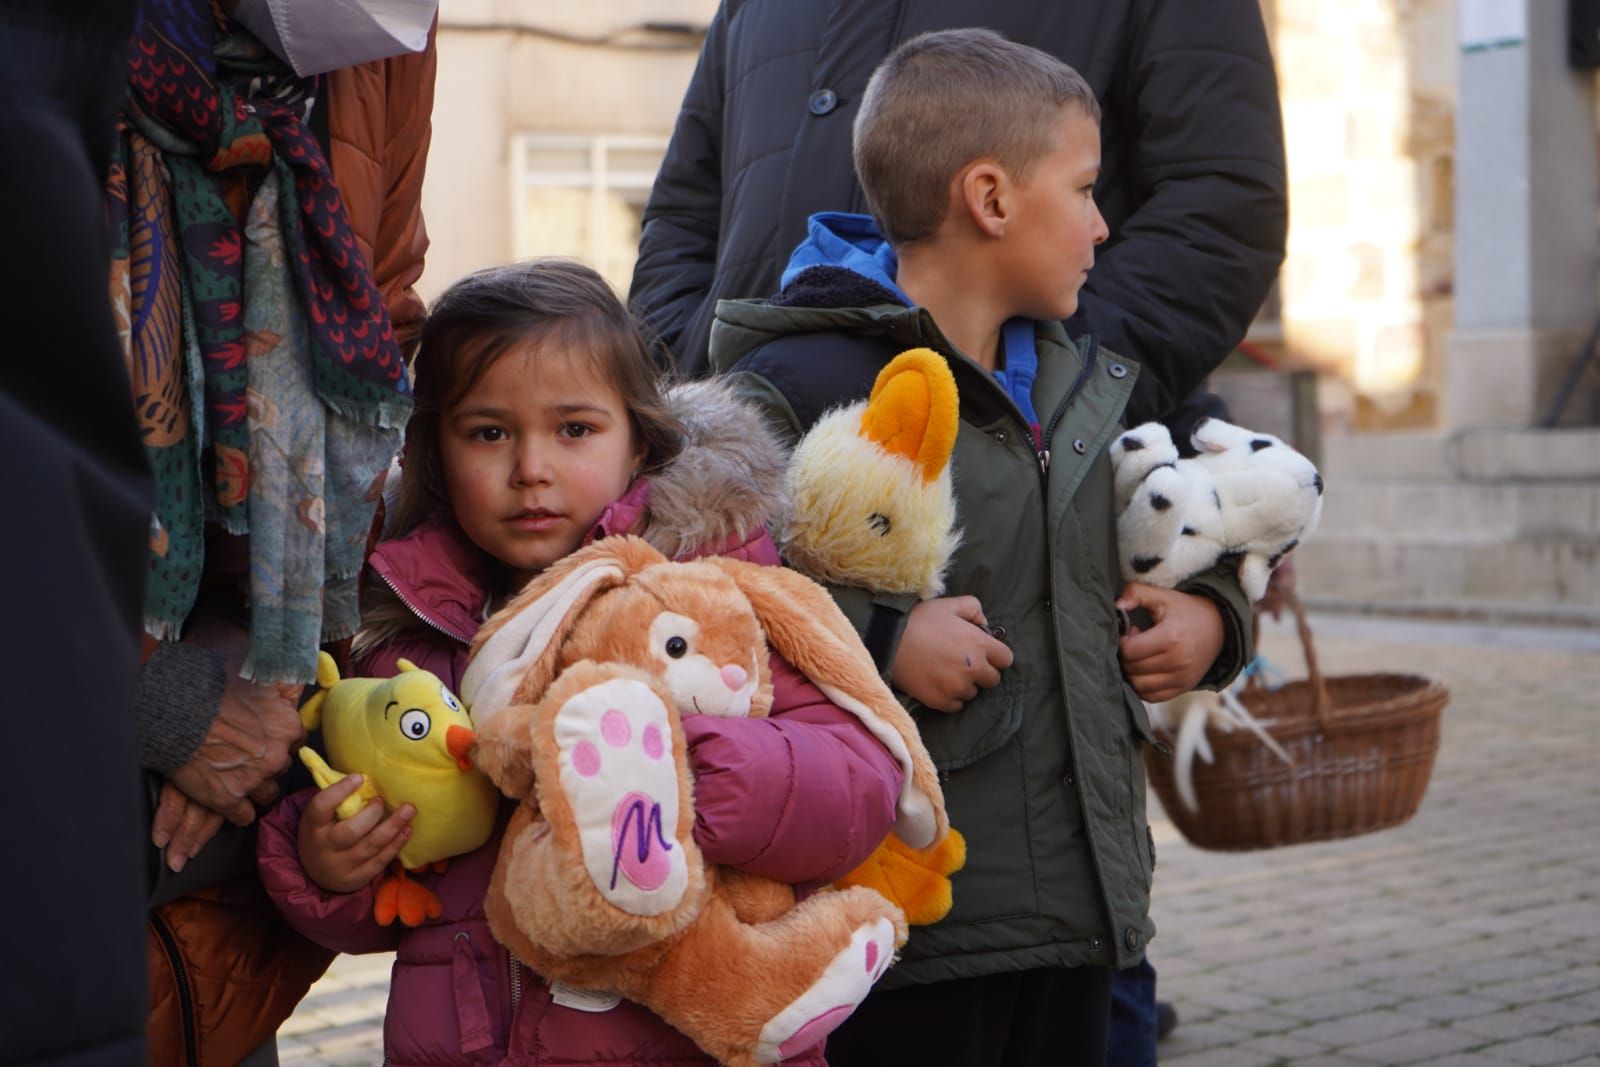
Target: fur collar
x,y
727,483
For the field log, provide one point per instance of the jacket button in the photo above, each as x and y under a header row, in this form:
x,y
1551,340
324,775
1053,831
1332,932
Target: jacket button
x,y
1118,370
1095,944
823,101
998,632
1130,937
1000,436
1067,781
1078,446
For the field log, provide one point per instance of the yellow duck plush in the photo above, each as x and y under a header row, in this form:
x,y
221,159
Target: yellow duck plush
x,y
874,508
410,739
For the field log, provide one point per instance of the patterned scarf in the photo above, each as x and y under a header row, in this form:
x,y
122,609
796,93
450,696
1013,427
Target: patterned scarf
x,y
266,375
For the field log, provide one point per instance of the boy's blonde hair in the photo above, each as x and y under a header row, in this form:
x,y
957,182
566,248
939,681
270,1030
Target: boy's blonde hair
x,y
942,100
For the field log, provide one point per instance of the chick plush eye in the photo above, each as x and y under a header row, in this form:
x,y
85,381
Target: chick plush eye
x,y
415,724
676,647
449,699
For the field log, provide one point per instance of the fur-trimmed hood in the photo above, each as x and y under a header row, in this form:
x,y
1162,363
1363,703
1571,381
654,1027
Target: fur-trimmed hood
x,y
726,485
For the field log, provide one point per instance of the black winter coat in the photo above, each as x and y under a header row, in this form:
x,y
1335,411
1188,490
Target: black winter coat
x,y
1192,181
76,488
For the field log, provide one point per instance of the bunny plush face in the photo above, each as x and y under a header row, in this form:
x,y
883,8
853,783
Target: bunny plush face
x,y
697,634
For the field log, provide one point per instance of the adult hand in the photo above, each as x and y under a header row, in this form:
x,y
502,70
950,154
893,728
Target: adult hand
x,y
947,654
342,855
1173,655
182,826
249,743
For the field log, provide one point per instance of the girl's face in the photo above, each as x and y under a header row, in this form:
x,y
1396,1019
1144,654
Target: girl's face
x,y
534,453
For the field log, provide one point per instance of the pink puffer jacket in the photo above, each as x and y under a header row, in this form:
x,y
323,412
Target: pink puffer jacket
x,y
802,796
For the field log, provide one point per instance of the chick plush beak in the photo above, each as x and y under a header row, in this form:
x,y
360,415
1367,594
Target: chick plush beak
x,y
458,742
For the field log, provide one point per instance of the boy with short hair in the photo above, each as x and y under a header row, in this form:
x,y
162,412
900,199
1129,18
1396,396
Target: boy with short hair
x,y
978,157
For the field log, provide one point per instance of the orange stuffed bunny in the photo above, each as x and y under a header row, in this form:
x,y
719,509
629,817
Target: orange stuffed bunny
x,y
577,688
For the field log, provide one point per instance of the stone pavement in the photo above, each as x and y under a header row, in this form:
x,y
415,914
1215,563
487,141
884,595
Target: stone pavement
x,y
1469,936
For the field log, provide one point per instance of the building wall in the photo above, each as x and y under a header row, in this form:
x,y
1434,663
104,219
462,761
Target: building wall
x,y
500,77
1369,101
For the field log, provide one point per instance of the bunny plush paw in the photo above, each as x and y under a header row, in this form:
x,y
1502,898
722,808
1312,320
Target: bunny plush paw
x,y
831,999
619,776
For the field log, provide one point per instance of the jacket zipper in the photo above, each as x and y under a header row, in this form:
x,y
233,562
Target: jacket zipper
x,y
1072,394
515,966
418,612
169,944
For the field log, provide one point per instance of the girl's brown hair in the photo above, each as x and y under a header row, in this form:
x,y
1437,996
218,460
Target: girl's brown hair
x,y
483,316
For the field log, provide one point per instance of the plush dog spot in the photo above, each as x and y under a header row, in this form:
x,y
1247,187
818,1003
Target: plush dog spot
x,y
1146,564
1159,502
1132,444
1259,443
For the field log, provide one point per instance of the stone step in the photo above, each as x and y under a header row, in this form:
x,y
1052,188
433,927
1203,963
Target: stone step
x,y
1535,571
1489,454
1458,513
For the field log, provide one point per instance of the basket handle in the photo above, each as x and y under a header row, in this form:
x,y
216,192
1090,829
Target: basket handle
x,y
1320,701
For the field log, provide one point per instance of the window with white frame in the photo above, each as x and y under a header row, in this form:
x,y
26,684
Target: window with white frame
x,y
583,196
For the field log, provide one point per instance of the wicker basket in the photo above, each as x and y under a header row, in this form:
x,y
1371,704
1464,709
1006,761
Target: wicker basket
x,y
1362,745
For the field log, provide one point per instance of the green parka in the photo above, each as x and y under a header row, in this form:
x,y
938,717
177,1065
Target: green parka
x,y
1044,773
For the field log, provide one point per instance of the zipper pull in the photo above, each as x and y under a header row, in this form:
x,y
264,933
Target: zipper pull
x,y
1044,461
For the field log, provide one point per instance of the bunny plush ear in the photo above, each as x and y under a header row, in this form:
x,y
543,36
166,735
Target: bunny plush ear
x,y
516,651
807,628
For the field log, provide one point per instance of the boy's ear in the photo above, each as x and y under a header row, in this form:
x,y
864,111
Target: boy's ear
x,y
984,187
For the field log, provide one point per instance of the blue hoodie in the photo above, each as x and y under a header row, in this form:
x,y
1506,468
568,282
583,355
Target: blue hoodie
x,y
837,239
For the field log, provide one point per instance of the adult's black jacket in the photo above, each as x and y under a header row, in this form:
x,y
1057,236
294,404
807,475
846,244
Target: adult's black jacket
x,y
1192,181
76,493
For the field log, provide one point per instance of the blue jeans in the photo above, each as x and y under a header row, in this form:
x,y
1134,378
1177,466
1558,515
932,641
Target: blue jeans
x,y
1132,1040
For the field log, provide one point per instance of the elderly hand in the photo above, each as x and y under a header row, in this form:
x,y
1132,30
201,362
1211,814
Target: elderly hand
x,y
182,826
250,741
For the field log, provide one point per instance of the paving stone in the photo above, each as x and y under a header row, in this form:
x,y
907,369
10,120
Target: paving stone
x,y
1333,1005
1507,1025
1284,1047
1230,1057
1413,1047
1359,1029
1540,1050
1445,1008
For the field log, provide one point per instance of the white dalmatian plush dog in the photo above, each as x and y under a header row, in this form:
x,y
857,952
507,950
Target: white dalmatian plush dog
x,y
1246,496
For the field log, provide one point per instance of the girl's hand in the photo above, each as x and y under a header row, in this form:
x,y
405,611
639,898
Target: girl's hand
x,y
342,856
1171,657
946,653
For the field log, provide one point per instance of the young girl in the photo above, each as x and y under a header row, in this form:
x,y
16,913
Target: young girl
x,y
540,425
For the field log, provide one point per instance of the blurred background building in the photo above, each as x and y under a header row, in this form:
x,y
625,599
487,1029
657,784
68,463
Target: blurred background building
x,y
1430,323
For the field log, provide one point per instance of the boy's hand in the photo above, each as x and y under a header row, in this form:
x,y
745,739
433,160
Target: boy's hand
x,y
946,653
342,856
1171,657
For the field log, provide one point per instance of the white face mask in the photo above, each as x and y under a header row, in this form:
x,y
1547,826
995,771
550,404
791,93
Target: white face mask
x,y
316,36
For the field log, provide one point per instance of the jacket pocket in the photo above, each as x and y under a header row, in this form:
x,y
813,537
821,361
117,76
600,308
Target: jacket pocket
x,y
959,739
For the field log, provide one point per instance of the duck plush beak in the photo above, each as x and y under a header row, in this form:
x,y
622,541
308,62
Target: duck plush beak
x,y
458,742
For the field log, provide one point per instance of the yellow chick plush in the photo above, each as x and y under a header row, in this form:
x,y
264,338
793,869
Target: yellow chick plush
x,y
874,508
411,741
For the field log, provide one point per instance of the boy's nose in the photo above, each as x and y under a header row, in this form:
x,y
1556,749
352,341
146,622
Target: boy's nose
x,y
734,677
